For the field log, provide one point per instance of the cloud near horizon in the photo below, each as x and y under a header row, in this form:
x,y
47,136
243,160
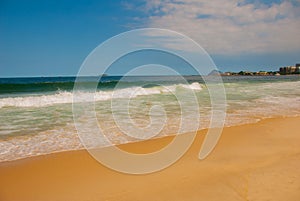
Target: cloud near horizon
x,y
230,27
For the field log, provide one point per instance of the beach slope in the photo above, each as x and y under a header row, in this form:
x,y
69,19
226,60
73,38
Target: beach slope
x,y
251,162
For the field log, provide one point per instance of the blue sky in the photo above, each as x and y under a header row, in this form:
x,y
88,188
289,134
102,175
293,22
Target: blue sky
x,y
50,38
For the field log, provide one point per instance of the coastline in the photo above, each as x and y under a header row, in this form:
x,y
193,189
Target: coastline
x,y
258,161
40,121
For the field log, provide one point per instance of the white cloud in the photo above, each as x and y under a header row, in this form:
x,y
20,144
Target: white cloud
x,y
230,26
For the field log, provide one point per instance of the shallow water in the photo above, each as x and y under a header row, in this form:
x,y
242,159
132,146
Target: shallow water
x,y
37,118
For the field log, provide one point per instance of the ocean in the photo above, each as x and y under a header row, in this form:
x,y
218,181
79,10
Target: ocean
x,y
36,113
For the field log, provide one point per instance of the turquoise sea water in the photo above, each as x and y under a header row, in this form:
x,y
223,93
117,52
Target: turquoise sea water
x,y
36,113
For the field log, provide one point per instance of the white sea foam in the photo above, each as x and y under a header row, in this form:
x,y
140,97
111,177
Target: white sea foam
x,y
67,97
56,140
194,86
247,103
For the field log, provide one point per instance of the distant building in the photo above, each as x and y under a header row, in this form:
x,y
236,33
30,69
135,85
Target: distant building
x,y
290,69
227,74
297,68
262,73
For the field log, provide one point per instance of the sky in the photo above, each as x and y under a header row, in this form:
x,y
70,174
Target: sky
x,y
53,38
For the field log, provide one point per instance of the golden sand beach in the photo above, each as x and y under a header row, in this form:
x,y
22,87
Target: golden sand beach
x,y
251,162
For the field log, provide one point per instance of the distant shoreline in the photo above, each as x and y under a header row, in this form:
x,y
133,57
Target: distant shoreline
x,y
260,73
70,76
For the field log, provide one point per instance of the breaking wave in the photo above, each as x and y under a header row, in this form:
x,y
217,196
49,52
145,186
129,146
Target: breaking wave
x,y
63,97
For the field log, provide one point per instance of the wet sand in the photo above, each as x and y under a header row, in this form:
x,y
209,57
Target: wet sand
x,y
251,162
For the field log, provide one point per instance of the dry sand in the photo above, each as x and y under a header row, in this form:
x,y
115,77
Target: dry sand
x,y
251,162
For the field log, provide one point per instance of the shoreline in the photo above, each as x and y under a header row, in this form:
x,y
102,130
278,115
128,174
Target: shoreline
x,y
83,148
251,162
203,131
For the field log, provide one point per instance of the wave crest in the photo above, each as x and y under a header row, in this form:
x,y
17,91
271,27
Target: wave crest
x,y
63,97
